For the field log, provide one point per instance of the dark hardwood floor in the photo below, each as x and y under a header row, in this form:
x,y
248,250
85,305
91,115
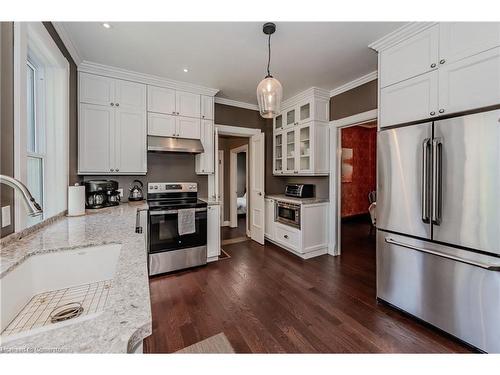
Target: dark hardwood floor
x,y
267,300
228,233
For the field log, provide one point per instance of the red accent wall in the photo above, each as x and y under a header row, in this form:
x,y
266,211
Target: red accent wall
x,y
363,141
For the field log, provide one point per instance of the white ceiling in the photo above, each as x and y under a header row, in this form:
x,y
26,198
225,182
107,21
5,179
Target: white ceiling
x,y
232,57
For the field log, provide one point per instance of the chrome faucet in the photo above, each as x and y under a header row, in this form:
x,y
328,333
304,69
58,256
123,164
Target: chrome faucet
x,y
34,209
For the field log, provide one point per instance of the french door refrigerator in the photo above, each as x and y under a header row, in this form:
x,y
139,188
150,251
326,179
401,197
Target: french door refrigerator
x,y
438,224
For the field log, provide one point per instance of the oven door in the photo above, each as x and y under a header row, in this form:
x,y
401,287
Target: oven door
x,y
288,214
164,234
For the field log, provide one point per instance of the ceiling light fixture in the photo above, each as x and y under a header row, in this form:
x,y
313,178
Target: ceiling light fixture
x,y
106,25
185,70
269,90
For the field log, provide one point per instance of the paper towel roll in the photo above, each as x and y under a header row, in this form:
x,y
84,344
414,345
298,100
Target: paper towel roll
x,y
76,200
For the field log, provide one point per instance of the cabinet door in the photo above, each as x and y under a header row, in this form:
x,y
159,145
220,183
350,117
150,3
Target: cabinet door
x,y
290,117
289,139
458,40
130,95
130,141
94,138
278,153
269,228
162,125
213,231
410,100
161,100
187,104
304,142
470,83
96,89
205,161
188,127
409,58
278,122
207,107
304,112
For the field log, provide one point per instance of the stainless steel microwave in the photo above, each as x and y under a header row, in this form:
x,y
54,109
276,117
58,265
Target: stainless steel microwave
x,y
288,213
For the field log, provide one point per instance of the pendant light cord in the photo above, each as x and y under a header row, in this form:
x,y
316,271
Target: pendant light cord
x,y
269,55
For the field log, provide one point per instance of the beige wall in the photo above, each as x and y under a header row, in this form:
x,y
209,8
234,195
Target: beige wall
x,y
357,100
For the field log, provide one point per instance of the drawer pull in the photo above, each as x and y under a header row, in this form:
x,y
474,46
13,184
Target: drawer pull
x,y
286,236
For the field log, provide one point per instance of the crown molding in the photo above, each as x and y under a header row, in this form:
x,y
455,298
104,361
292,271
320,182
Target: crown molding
x,y
68,43
400,34
354,83
235,103
148,79
304,95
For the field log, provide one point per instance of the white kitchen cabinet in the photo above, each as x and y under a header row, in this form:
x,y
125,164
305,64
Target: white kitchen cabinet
x,y
130,141
278,162
204,162
94,138
207,107
470,83
458,40
94,89
112,126
161,125
213,232
308,241
269,228
278,122
161,100
411,57
188,127
187,104
290,152
410,100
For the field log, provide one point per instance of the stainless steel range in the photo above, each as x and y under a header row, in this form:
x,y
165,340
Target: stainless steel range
x,y
177,227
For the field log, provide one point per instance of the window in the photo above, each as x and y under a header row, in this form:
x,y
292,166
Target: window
x,y
34,134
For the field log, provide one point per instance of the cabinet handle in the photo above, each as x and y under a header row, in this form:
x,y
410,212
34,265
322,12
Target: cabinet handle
x,y
173,112
286,236
112,104
433,65
202,116
177,113
442,61
432,113
116,170
441,110
117,104
112,170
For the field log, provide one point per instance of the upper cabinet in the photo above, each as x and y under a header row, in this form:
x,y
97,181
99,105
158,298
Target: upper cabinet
x,y
300,139
112,126
443,69
207,107
173,102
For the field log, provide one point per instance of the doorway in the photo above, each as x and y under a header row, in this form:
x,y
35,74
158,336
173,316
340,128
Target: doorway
x,y
358,166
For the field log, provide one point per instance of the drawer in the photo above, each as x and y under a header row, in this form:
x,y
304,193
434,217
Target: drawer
x,y
289,237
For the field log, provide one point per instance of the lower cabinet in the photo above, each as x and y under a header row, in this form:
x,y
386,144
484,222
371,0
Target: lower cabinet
x,y
213,232
308,241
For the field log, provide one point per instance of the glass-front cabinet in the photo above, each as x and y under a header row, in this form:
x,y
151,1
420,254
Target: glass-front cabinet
x,y
290,165
278,122
278,153
304,141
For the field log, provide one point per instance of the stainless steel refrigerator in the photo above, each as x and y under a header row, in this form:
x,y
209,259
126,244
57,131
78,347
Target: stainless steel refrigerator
x,y
438,224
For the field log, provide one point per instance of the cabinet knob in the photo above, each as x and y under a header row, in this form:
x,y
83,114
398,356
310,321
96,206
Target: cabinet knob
x,y
441,110
432,113
112,104
442,61
176,113
286,236
433,65
117,104
202,116
112,170
116,170
173,112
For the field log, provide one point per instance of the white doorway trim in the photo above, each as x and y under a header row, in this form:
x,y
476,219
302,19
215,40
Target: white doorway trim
x,y
236,131
335,160
233,183
225,223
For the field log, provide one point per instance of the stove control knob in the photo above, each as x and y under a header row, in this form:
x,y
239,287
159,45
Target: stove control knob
x,y
155,187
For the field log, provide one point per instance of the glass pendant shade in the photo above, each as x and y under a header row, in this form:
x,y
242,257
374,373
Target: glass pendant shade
x,y
269,95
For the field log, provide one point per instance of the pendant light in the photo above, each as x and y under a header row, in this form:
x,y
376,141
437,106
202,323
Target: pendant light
x,y
269,90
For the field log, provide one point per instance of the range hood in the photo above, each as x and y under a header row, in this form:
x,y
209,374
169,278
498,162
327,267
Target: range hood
x,y
171,144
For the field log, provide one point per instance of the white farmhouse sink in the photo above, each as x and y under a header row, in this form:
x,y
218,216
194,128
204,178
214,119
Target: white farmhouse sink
x,y
31,291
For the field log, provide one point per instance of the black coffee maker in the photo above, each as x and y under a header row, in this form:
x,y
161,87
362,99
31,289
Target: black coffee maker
x,y
101,193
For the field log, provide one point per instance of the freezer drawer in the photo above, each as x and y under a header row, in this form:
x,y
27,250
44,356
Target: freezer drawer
x,y
403,188
467,192
461,297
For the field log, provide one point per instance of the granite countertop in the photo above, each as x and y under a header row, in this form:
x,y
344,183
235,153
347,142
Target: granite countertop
x,y
126,319
303,201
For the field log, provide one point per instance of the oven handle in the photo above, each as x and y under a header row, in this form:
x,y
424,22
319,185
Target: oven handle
x,y
168,212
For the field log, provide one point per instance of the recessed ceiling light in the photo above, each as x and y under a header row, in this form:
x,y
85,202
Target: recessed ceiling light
x,y
185,70
106,25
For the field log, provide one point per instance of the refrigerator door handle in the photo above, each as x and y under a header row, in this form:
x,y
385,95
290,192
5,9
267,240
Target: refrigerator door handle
x,y
425,180
490,267
437,155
